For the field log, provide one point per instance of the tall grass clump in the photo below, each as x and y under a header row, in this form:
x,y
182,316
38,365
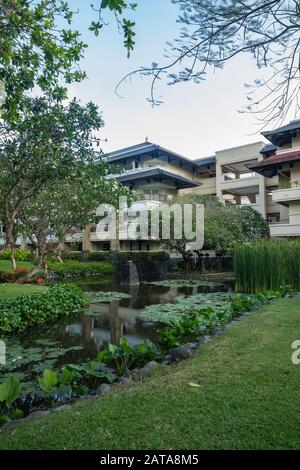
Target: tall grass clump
x,y
266,265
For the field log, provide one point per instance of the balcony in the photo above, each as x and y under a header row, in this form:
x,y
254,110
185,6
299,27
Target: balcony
x,y
238,183
285,230
284,196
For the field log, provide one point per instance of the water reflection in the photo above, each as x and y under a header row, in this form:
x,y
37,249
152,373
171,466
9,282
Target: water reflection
x,y
108,322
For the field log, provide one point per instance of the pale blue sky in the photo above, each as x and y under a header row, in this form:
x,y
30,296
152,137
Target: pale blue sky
x,y
195,120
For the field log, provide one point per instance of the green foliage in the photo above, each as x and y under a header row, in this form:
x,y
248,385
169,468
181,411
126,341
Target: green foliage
x,y
78,378
18,314
200,321
48,381
39,48
224,225
81,269
194,323
166,313
19,253
10,390
97,256
269,264
124,357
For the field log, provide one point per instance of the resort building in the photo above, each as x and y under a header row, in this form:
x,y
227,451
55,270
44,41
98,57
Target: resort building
x,y
265,177
281,160
157,175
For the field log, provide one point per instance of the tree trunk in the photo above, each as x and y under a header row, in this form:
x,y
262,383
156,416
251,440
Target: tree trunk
x,y
28,276
10,241
13,260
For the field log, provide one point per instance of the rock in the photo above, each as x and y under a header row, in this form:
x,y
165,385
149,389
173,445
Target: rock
x,y
167,361
218,331
12,424
136,375
183,352
146,370
61,408
103,389
192,345
37,414
125,381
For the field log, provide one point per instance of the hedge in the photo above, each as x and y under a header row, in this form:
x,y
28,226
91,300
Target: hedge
x,y
19,253
80,269
142,256
16,315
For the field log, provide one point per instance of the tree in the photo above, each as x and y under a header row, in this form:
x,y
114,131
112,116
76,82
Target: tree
x,y
224,225
46,145
65,207
215,31
38,47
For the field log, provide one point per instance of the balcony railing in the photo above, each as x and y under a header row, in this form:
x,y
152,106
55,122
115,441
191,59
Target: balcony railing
x,y
284,196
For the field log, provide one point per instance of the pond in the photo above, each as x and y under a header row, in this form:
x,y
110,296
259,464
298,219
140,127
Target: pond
x,y
80,338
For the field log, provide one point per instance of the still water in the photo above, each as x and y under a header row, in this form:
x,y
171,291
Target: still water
x,y
79,339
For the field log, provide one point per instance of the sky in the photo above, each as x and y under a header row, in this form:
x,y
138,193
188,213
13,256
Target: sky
x,y
194,120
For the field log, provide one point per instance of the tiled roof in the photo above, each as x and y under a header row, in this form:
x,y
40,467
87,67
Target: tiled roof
x,y
147,148
279,158
205,161
292,126
156,172
269,148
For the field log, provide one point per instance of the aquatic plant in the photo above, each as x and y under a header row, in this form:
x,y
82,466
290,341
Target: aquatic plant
x,y
177,283
10,390
166,313
36,309
267,264
123,357
106,297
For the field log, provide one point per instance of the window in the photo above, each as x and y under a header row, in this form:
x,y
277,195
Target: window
x,y
273,218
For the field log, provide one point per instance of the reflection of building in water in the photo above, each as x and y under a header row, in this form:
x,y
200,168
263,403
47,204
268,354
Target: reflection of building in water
x,y
107,323
116,323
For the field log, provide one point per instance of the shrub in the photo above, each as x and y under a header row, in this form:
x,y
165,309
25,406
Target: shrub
x,y
19,253
32,310
80,269
97,256
72,255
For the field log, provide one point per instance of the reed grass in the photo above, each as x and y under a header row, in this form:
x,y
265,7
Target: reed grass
x,y
266,265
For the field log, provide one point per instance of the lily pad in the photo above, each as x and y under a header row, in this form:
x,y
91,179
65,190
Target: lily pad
x,y
166,313
106,297
176,283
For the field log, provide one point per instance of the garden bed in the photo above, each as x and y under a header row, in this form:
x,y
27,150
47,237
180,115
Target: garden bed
x,y
177,341
230,395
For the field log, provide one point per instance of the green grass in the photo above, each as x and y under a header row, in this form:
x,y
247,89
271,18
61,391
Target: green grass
x,y
5,265
249,398
16,290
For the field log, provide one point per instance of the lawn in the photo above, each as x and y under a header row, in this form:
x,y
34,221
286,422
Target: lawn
x,y
248,397
15,290
5,265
